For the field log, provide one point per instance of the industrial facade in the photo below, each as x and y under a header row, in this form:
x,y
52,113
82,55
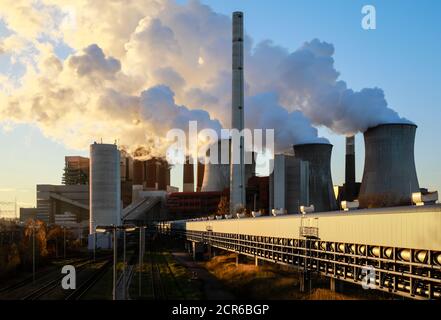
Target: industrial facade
x,y
188,176
289,183
152,174
57,199
321,190
76,170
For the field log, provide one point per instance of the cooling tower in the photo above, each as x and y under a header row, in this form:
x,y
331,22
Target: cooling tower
x,y
389,176
321,190
217,175
105,185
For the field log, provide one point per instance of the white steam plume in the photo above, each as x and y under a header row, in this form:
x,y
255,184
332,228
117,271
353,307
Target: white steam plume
x,y
139,69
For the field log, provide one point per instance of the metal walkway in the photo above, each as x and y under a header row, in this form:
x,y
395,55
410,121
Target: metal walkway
x,y
400,271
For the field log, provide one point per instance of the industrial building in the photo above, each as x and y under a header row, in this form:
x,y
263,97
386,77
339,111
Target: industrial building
x,y
57,199
76,170
289,183
188,182
31,213
152,174
321,190
258,194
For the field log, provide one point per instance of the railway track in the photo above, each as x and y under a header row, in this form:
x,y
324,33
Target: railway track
x,y
89,282
158,290
38,275
160,277
52,285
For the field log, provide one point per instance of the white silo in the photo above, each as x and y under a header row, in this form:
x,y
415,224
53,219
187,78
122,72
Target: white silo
x,y
105,185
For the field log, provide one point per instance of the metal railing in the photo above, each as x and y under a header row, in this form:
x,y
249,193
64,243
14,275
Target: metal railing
x,y
406,272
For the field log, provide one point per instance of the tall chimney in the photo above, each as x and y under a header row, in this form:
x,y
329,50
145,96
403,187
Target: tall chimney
x,y
188,185
200,176
350,169
237,163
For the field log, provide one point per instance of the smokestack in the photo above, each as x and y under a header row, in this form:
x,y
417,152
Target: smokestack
x,y
321,189
188,185
350,169
389,176
237,165
200,179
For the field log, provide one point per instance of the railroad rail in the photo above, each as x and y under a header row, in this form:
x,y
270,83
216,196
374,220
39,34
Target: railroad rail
x,y
85,286
158,290
47,288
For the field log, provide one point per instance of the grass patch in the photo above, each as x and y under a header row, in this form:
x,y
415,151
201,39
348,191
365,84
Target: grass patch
x,y
276,282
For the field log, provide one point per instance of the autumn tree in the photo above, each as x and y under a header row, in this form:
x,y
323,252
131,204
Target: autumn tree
x,y
223,207
55,238
40,236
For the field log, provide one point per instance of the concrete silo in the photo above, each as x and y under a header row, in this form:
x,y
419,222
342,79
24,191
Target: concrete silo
x,y
389,176
321,190
105,185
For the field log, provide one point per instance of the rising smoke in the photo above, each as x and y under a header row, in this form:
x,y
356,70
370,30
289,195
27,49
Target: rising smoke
x,y
134,70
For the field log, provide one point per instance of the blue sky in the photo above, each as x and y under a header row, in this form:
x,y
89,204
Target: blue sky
x,y
401,56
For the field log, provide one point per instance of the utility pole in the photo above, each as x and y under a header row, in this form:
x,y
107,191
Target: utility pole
x,y
124,266
33,253
114,262
140,261
94,246
64,242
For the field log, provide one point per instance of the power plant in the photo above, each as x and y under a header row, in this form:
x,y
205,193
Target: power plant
x,y
294,215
